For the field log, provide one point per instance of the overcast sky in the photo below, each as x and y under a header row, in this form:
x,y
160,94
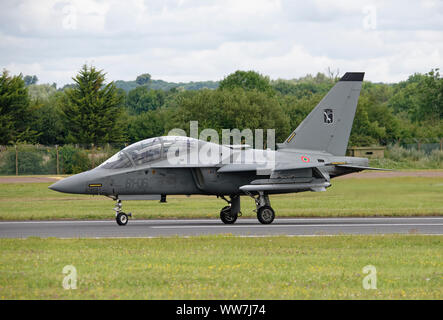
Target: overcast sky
x,y
193,40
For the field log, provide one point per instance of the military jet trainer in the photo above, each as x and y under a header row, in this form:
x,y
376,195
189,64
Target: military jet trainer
x,y
307,160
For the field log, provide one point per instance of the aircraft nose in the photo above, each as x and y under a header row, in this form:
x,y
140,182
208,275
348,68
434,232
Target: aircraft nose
x,y
74,184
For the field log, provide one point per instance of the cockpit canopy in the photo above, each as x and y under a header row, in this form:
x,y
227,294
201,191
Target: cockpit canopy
x,y
146,151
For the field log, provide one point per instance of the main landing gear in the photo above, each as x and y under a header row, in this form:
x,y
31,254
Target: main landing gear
x,y
265,213
230,213
120,216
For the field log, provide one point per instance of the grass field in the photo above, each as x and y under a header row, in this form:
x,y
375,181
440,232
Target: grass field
x,y
224,267
399,196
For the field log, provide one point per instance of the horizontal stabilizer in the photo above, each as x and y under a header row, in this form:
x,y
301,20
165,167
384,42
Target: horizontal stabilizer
x,y
361,167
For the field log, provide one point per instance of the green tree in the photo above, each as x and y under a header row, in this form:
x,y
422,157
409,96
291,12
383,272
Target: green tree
x,y
383,116
382,127
146,125
143,79
305,86
297,109
364,131
247,80
300,90
229,109
14,110
47,119
421,96
30,80
41,91
431,90
142,99
92,109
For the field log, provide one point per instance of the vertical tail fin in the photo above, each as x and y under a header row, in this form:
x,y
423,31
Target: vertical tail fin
x,y
328,126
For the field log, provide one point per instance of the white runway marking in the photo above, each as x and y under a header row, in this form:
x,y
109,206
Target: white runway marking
x,y
303,225
189,221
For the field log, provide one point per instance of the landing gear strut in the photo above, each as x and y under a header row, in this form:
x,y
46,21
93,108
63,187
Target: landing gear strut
x,y
230,213
265,213
120,216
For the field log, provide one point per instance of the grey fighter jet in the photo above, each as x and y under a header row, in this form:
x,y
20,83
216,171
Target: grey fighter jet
x,y
172,165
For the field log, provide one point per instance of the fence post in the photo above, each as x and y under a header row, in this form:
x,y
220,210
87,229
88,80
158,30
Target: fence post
x,y
16,161
93,155
56,151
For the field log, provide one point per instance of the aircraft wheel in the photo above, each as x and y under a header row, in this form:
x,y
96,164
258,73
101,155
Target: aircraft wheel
x,y
265,215
122,219
226,216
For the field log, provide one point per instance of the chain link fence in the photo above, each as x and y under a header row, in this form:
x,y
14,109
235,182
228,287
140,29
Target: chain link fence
x,y
426,145
24,159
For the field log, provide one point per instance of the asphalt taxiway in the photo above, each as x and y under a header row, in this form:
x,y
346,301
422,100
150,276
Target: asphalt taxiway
x,y
243,227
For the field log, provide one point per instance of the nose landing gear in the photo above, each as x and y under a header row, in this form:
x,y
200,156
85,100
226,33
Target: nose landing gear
x,y
120,216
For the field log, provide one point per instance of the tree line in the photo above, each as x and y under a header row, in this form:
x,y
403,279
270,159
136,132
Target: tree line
x,y
94,110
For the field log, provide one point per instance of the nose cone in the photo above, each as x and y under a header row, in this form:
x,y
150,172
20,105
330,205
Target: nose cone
x,y
74,184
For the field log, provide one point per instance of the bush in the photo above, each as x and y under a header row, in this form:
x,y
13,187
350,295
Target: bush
x,y
30,161
73,160
436,156
397,157
398,153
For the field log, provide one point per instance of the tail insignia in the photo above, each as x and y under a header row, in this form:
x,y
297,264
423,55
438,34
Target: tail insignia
x,y
328,116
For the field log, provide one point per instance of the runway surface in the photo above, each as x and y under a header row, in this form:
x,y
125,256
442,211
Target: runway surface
x,y
243,227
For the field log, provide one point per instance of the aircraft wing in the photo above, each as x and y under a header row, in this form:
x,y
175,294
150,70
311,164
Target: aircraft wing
x,y
291,177
287,187
284,177
239,167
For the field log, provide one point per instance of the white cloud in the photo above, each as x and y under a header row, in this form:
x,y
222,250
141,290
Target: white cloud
x,y
184,40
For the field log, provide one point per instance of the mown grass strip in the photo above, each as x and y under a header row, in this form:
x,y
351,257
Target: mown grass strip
x,y
224,267
401,196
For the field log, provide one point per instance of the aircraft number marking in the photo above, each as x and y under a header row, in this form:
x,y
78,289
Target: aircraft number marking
x,y
138,183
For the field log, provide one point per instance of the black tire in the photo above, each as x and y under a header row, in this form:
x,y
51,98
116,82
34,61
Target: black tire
x,y
122,219
227,217
265,215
